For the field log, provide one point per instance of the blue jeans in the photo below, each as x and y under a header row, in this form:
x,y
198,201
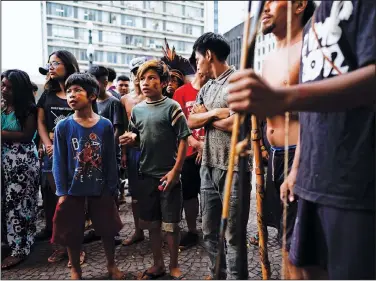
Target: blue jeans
x,y
212,190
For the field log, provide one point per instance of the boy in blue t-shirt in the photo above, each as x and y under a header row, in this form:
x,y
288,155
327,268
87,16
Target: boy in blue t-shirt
x,y
84,166
159,124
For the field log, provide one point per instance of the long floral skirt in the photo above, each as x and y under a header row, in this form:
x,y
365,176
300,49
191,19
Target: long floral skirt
x,y
20,179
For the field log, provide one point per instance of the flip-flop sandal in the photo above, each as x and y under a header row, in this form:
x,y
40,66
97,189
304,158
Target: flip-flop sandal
x,y
82,259
57,256
10,262
132,241
151,276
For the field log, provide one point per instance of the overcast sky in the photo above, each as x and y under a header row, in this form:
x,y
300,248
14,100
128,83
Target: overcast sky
x,y
21,44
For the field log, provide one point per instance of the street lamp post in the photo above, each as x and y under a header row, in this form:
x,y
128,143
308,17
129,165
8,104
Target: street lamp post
x,y
90,48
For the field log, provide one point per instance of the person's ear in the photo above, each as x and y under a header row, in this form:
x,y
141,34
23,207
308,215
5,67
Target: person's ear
x,y
300,6
209,55
92,97
105,83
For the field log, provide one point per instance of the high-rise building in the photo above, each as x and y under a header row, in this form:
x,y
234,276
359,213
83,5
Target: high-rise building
x,y
264,45
121,30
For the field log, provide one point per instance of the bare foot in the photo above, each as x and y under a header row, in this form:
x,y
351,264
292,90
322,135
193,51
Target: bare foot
x,y
176,274
76,275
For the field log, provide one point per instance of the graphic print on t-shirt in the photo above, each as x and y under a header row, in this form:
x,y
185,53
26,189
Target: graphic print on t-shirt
x,y
58,113
329,33
88,155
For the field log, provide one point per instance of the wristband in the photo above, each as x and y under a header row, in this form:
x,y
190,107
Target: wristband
x,y
263,148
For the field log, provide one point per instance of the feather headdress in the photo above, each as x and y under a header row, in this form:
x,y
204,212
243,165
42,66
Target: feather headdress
x,y
175,61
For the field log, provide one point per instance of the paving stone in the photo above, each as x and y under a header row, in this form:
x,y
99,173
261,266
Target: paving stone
x,y
136,258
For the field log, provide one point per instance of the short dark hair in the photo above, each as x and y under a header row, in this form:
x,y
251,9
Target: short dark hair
x,y
85,80
308,11
123,78
98,71
111,74
215,43
35,87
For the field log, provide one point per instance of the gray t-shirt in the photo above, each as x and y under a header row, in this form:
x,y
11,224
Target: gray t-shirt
x,y
217,143
112,110
159,125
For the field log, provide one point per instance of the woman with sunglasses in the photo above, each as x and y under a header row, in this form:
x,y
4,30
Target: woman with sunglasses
x,y
20,166
53,107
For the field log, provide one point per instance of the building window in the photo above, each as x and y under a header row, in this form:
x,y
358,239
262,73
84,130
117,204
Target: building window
x,y
133,4
128,20
153,24
114,19
138,41
89,14
62,31
174,9
193,12
111,37
98,56
59,10
181,46
196,31
112,57
174,27
154,6
49,30
82,55
188,29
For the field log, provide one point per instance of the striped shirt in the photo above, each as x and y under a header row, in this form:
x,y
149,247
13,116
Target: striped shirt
x,y
159,125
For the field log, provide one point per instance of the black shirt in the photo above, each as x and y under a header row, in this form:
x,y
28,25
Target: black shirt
x,y
112,110
55,109
337,153
114,93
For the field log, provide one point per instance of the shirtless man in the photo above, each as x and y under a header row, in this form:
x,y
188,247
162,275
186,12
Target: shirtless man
x,y
276,71
130,155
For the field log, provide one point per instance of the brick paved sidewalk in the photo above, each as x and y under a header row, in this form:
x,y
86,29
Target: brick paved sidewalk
x,y
136,258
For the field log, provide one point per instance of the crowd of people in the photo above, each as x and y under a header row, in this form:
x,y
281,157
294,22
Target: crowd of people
x,y
167,129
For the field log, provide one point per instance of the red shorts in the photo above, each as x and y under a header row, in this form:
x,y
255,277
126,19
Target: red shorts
x,y
69,219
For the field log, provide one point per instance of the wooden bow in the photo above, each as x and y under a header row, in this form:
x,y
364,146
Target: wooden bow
x,y
241,131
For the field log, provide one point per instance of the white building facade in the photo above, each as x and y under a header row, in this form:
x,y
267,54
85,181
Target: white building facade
x,y
121,30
